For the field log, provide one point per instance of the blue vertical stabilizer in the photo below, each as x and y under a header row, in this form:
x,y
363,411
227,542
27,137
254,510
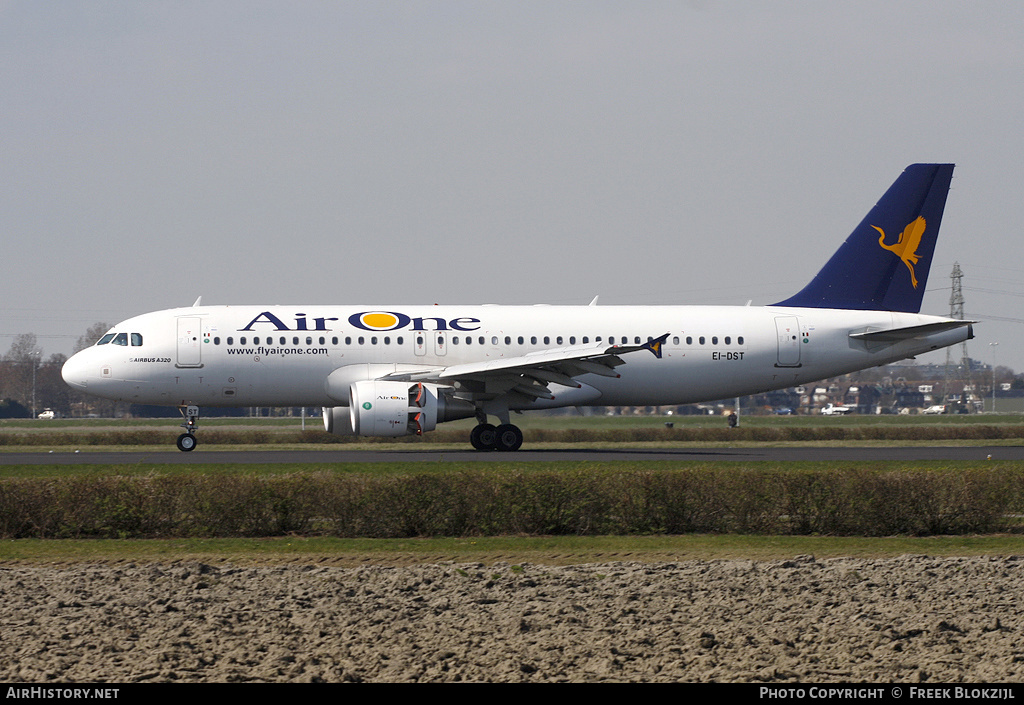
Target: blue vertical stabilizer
x,y
883,265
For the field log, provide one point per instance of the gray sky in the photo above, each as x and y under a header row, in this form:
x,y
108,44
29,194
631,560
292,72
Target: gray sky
x,y
493,152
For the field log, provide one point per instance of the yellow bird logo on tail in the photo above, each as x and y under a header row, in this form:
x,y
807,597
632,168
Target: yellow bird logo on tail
x,y
906,247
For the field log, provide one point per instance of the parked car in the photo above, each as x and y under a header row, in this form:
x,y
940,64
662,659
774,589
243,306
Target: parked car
x,y
935,409
47,414
834,410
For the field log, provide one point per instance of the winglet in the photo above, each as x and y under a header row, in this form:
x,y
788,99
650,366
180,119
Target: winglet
x,y
656,345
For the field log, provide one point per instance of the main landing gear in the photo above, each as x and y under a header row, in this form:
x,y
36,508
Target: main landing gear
x,y
187,441
505,437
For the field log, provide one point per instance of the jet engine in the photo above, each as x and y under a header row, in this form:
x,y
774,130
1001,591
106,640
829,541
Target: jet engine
x,y
389,409
337,420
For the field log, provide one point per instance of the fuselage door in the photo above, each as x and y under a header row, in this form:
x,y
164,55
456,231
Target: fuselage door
x,y
494,346
189,342
788,329
419,342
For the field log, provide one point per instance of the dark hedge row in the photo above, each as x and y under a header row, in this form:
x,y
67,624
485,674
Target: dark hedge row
x,y
763,434
479,503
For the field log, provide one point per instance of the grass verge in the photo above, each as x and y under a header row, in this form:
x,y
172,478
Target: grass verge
x,y
545,550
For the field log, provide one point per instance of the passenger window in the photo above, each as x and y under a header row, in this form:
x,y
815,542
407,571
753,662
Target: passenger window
x,y
714,340
675,340
283,340
520,339
701,340
558,340
508,340
105,339
121,339
728,340
572,340
231,341
636,340
216,341
689,340
398,340
586,339
547,340
533,340
739,340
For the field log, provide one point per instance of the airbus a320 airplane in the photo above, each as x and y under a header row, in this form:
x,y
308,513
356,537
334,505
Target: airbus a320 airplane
x,y
400,370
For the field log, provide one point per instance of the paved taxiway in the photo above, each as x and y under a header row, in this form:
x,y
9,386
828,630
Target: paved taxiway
x,y
198,457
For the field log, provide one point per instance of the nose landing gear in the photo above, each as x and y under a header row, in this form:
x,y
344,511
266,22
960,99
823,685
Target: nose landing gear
x,y
187,441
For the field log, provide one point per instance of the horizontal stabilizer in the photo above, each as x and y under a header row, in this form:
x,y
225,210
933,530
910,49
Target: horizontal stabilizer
x,y
895,335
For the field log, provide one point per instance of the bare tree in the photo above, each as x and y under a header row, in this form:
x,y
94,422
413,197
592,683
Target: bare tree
x,y
95,332
51,390
23,349
17,372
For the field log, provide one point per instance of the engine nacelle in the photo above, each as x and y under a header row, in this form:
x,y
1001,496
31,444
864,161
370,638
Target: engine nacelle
x,y
383,408
379,408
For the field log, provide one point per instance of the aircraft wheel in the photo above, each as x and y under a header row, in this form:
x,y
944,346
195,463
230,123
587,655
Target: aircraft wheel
x,y
484,437
186,442
509,437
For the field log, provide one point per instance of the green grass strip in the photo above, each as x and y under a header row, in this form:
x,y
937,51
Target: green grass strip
x,y
551,550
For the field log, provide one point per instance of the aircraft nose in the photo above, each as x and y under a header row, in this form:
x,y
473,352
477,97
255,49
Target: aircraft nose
x,y
74,372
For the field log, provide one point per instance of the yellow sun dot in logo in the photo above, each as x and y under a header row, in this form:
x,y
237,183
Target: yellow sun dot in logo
x,y
379,320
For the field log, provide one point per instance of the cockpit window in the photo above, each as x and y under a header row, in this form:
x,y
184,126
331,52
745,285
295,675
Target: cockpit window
x,y
120,339
105,339
136,339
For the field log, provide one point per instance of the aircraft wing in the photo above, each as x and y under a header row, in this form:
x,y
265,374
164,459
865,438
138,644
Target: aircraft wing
x,y
531,374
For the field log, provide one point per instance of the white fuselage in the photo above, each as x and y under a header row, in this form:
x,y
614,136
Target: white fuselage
x,y
285,355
